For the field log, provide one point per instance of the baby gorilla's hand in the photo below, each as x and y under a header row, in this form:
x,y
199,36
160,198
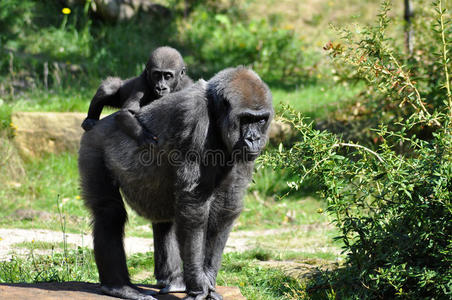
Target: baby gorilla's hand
x,y
88,124
129,124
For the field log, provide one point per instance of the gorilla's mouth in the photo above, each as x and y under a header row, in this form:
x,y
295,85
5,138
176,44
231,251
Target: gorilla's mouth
x,y
162,93
249,156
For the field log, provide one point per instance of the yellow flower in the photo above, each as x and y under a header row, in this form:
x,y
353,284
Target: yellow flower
x,y
320,210
289,27
66,11
242,284
1,239
13,126
78,197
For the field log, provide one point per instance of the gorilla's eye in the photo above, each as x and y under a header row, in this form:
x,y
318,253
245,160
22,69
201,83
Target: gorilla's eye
x,y
168,76
254,119
156,75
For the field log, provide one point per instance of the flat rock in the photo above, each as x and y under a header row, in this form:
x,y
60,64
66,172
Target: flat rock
x,y
280,132
84,290
37,133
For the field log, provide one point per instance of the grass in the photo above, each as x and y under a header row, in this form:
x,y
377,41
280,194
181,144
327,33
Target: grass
x,y
311,19
316,100
42,245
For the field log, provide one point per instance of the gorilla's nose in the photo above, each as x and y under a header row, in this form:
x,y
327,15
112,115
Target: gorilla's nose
x,y
252,142
161,88
252,137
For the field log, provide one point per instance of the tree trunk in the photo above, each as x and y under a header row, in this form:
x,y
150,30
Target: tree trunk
x,y
409,32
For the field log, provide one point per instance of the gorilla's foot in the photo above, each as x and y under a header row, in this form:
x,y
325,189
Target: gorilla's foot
x,y
128,292
176,285
215,296
161,284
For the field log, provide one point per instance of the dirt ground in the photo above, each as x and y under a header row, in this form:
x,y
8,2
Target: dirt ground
x,y
239,241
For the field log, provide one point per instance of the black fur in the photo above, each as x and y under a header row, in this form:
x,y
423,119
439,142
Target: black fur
x,y
164,73
192,203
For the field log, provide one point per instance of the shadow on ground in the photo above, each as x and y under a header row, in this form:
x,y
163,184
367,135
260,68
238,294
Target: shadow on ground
x,y
85,290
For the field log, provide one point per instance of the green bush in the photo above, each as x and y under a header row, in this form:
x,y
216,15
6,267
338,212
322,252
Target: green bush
x,y
13,16
400,84
394,210
220,41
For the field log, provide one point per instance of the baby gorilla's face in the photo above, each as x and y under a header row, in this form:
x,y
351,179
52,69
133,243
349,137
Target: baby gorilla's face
x,y
163,81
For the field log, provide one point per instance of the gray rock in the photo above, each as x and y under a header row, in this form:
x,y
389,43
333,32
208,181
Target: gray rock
x,y
122,10
280,132
37,133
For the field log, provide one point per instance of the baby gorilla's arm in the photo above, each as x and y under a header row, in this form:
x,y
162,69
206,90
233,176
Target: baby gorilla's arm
x,y
132,104
128,123
106,95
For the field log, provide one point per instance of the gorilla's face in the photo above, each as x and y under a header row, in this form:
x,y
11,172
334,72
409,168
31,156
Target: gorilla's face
x,y
163,81
243,110
246,133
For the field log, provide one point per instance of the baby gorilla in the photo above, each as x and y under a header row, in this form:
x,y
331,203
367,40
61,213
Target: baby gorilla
x,y
164,74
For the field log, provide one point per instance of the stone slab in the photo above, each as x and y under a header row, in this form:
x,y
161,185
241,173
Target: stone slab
x,y
37,133
84,291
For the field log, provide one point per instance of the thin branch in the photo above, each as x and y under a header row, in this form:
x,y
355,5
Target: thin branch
x,y
416,91
444,52
360,147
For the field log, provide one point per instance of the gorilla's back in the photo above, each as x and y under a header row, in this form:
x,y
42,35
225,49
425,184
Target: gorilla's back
x,y
146,175
146,182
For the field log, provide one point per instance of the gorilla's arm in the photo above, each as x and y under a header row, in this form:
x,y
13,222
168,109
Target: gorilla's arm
x,y
116,93
106,94
129,124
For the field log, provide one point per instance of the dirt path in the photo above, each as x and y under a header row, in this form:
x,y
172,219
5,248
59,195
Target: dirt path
x,y
239,241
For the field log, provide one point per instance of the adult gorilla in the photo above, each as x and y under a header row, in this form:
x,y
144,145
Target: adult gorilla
x,y
209,136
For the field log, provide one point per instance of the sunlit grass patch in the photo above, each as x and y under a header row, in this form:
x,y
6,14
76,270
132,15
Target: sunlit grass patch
x,y
42,245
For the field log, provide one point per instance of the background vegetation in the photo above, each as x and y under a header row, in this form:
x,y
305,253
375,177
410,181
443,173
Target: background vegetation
x,y
372,151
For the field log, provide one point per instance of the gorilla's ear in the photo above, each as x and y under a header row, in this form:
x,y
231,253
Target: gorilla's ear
x,y
182,73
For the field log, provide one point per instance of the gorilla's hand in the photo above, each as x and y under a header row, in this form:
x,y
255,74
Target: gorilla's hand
x,y
202,288
88,124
